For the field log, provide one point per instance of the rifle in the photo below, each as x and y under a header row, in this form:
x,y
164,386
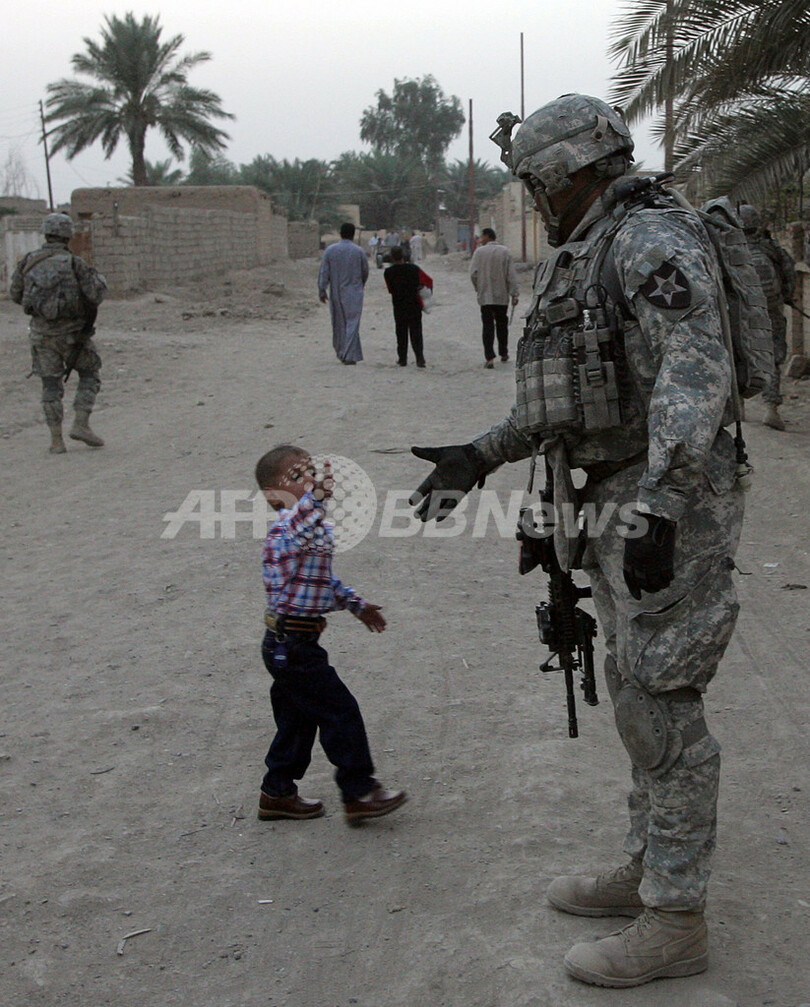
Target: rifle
x,y
795,307
567,631
70,360
87,330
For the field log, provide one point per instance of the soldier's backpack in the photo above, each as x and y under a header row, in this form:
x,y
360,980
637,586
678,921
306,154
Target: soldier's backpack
x,y
747,304
51,287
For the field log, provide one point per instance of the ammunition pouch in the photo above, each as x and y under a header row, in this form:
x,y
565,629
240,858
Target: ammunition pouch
x,y
566,374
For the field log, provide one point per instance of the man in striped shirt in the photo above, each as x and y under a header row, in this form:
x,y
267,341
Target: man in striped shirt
x,y
307,695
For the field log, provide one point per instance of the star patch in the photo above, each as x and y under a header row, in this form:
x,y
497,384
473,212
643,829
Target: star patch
x,y
667,288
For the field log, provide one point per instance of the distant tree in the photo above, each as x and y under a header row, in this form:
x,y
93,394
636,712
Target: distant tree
x,y
207,169
455,185
15,178
159,173
416,121
304,188
139,83
391,191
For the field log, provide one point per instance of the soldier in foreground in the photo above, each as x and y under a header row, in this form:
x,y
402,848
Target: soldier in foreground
x,y
777,276
623,371
61,293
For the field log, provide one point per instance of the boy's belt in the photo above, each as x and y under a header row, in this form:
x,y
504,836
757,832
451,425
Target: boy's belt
x,y
279,623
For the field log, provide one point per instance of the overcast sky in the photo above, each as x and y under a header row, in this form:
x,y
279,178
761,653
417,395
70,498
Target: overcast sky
x,y
298,74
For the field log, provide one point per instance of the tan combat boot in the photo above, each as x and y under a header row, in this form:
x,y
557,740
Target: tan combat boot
x,y
80,431
612,893
658,945
772,417
57,444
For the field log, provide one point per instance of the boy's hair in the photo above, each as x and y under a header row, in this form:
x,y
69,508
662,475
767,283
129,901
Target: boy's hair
x,y
271,466
489,233
397,255
347,230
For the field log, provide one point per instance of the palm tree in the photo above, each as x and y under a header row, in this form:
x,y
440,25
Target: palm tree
x,y
390,190
301,187
140,83
738,76
455,184
157,173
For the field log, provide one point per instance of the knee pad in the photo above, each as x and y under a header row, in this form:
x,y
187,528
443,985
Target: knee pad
x,y
657,730
89,383
642,723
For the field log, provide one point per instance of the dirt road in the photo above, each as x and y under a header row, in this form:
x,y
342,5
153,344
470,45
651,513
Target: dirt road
x,y
135,715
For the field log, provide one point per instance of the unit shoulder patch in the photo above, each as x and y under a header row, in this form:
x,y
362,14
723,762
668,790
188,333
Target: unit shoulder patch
x,y
667,288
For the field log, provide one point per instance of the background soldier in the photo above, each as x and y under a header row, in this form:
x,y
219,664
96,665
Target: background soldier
x,y
777,275
61,293
644,419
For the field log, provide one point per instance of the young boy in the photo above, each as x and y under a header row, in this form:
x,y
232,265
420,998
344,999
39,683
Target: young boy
x,y
403,280
307,694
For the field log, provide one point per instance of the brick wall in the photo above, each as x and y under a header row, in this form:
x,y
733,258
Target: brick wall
x,y
18,235
304,239
143,238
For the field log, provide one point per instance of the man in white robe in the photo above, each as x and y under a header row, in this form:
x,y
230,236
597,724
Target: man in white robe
x,y
341,279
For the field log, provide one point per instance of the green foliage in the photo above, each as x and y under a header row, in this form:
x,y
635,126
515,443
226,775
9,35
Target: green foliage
x,y
157,173
416,121
210,169
392,191
304,188
139,83
455,185
737,77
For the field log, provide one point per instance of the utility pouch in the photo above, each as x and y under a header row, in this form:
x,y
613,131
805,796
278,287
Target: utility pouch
x,y
530,403
597,387
558,372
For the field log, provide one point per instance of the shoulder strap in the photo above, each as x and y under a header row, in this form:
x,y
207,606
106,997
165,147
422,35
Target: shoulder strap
x,y
34,258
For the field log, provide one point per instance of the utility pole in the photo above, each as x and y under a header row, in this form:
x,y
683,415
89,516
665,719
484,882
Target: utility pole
x,y
471,184
47,162
522,187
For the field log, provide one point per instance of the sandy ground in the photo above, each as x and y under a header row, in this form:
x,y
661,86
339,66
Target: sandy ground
x,y
135,712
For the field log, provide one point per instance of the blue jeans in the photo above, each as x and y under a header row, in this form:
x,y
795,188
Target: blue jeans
x,y
307,695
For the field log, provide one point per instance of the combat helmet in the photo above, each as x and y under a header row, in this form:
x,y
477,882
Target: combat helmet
x,y
750,218
569,133
57,225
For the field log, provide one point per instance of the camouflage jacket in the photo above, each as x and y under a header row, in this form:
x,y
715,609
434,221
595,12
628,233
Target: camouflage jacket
x,y
776,270
678,374
89,287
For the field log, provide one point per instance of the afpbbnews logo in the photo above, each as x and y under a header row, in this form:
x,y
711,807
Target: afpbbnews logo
x,y
226,513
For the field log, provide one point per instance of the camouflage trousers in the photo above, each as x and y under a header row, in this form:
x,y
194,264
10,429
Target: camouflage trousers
x,y
773,393
49,354
670,644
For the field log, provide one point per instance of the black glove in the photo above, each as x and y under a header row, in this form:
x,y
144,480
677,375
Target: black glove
x,y
459,467
648,559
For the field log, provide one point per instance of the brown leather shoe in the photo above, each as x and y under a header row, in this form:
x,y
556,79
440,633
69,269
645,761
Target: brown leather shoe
x,y
291,806
375,804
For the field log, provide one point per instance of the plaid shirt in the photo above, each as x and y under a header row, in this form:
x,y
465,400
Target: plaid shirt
x,y
297,564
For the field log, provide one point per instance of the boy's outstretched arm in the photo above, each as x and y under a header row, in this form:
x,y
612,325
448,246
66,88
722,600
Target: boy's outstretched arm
x,y
371,616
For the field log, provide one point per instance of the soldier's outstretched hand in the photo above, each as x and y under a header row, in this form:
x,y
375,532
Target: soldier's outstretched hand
x,y
458,467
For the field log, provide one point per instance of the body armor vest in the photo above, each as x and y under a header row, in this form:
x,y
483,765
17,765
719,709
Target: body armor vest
x,y
768,274
570,369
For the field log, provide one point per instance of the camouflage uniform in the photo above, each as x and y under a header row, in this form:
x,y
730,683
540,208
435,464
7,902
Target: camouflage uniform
x,y
671,455
777,276
52,341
